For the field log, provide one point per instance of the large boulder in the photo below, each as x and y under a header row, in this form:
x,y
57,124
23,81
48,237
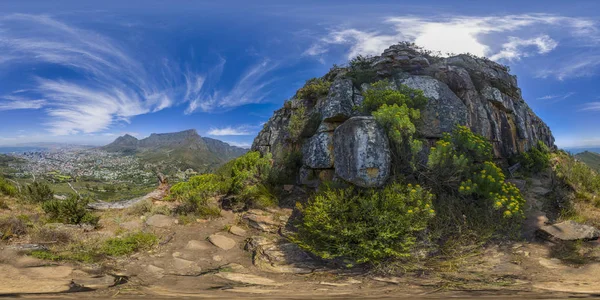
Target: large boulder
x,y
339,105
362,152
317,153
444,109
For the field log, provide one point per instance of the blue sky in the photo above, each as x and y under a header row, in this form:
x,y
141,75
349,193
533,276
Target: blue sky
x,y
89,71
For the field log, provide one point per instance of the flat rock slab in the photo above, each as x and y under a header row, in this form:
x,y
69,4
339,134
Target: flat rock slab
x,y
161,221
248,279
222,242
569,231
34,280
197,245
235,230
261,220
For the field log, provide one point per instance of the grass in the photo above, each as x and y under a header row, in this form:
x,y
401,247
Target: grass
x,y
591,159
91,251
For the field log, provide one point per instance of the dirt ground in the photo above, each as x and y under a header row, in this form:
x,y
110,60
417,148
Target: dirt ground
x,y
207,259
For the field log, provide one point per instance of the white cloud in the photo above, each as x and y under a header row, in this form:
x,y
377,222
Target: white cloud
x,y
591,106
515,48
508,38
572,66
241,145
15,102
556,97
251,87
241,130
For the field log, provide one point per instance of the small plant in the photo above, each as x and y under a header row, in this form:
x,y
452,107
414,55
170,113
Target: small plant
x,y
313,89
72,210
297,122
129,244
366,226
361,71
38,192
12,227
383,92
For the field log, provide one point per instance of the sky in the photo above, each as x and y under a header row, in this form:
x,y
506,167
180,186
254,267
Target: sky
x,y
89,71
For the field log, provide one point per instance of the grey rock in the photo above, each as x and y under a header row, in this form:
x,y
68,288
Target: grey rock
x,y
339,105
361,152
197,245
569,231
261,220
236,230
221,241
279,257
161,221
444,109
248,279
317,153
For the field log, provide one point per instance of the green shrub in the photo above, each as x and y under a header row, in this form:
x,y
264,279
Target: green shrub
x,y
11,227
583,180
536,159
249,169
383,92
129,244
313,89
365,225
297,122
361,71
6,188
476,199
38,192
287,169
72,210
196,193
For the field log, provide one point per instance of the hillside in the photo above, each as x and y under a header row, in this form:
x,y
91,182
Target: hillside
x,y
591,159
179,150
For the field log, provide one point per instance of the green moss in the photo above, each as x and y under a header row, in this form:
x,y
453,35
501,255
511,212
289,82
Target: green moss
x,y
129,244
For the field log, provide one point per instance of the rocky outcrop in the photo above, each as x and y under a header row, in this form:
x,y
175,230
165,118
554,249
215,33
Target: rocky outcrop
x,y
569,231
462,89
362,152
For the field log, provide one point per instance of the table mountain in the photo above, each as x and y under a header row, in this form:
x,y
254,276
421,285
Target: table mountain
x,y
177,150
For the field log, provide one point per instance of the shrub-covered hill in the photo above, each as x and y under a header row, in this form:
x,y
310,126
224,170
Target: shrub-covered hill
x,y
592,159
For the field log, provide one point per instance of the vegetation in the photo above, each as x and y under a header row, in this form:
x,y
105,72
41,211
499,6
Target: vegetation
x,y
12,227
536,159
365,225
93,251
313,89
476,199
38,192
6,188
72,210
591,159
361,71
578,178
243,178
297,122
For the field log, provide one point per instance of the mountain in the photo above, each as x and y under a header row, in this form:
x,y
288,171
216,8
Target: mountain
x,y
339,141
178,150
591,159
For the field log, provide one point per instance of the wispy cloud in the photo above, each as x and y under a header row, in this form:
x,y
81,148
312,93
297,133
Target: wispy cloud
x,y
251,87
230,130
114,81
591,106
556,97
507,38
16,102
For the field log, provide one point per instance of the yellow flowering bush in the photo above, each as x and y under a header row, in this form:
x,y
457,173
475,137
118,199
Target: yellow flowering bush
x,y
365,225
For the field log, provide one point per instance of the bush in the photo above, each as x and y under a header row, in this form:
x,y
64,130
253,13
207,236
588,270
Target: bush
x,y
129,244
536,159
384,92
313,89
249,169
361,71
6,188
12,227
297,123
365,225
38,192
476,198
584,181
73,210
195,194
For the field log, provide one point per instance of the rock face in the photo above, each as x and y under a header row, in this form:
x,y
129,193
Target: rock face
x,y
462,89
362,152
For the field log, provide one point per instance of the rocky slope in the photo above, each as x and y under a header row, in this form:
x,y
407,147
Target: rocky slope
x,y
462,89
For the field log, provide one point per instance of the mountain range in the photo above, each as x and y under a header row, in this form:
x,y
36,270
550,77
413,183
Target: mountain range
x,y
177,151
